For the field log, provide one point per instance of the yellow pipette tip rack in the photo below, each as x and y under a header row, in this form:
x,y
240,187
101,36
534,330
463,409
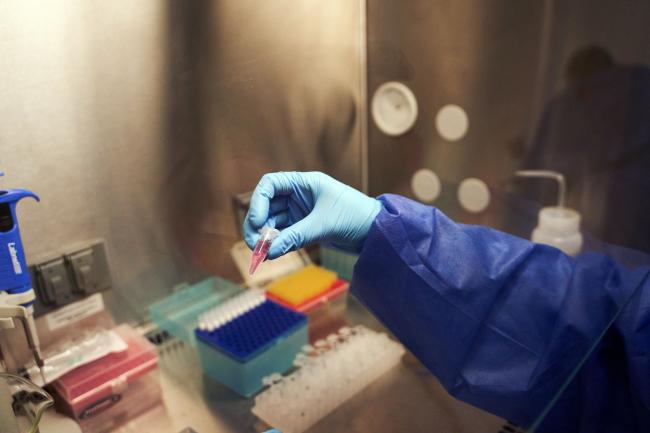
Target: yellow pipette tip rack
x,y
303,285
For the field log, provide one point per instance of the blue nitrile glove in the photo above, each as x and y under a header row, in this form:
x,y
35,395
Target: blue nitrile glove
x,y
307,208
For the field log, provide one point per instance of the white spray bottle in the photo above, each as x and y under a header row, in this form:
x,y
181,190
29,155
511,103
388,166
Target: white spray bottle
x,y
558,226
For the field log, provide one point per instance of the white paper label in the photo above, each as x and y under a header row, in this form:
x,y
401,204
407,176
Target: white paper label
x,y
75,312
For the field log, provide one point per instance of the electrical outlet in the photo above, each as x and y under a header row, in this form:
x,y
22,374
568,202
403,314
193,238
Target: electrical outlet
x,y
52,278
84,271
77,273
89,268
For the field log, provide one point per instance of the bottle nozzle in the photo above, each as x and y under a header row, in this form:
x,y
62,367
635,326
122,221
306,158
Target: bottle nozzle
x,y
548,174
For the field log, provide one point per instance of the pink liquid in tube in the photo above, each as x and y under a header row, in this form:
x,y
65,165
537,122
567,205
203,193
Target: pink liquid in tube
x,y
267,235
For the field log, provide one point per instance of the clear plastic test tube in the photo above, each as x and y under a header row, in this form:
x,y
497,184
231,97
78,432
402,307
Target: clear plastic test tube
x,y
267,235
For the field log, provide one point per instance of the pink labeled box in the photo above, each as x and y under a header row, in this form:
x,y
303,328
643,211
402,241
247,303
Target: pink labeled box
x,y
113,389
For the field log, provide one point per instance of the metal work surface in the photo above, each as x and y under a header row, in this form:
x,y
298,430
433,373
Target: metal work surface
x,y
408,398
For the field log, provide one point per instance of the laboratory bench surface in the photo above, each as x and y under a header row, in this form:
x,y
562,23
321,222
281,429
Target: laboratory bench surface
x,y
406,399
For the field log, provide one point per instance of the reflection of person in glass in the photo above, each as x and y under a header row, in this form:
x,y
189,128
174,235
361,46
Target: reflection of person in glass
x,y
502,322
597,133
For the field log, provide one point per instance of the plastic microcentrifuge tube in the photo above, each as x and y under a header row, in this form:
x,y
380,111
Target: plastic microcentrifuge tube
x,y
267,235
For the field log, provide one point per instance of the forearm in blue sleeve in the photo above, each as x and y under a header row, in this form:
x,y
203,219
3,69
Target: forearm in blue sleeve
x,y
500,321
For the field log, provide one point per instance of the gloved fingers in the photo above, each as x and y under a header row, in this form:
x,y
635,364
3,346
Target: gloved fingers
x,y
280,220
277,205
294,237
270,186
258,212
251,234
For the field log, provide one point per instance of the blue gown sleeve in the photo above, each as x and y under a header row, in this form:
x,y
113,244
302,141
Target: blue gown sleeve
x,y
500,321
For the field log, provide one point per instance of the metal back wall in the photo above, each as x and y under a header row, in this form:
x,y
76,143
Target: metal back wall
x,y
480,56
136,122
518,69
278,90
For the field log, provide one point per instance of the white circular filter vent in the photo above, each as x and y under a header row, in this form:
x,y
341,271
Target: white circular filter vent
x,y
473,195
452,122
394,108
425,185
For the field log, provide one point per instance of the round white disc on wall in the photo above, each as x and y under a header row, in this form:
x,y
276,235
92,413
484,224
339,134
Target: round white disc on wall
x,y
473,195
425,185
452,122
394,108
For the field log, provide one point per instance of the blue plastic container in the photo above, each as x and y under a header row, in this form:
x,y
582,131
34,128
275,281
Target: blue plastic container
x,y
178,312
260,342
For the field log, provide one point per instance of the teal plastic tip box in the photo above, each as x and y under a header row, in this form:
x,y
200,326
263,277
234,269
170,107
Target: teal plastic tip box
x,y
260,342
178,312
338,261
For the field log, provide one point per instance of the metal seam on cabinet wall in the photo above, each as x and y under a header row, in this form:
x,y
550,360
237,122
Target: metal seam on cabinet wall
x,y
363,96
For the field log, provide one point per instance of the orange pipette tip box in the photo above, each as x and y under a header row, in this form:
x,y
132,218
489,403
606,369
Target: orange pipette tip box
x,y
306,288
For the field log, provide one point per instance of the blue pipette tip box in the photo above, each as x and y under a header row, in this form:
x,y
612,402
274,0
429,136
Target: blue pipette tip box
x,y
253,332
260,342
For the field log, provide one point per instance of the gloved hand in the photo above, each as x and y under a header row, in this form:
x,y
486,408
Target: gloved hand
x,y
307,208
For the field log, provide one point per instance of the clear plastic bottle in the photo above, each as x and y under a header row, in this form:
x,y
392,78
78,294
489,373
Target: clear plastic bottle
x,y
557,226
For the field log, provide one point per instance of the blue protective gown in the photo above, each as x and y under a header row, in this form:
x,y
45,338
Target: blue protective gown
x,y
503,322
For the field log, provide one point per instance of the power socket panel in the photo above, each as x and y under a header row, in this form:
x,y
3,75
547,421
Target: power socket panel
x,y
70,276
